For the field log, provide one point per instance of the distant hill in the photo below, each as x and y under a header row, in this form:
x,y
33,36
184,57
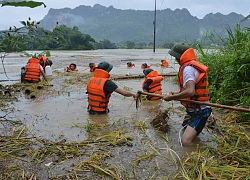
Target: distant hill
x,y
120,26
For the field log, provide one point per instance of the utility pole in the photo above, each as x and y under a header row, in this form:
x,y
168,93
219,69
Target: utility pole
x,y
154,25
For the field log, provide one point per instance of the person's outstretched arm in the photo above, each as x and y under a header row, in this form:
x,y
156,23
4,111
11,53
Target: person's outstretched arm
x,y
44,76
125,93
188,92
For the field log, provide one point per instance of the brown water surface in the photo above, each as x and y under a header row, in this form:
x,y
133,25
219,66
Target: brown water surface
x,y
59,113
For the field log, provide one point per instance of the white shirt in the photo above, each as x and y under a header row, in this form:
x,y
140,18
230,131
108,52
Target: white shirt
x,y
191,74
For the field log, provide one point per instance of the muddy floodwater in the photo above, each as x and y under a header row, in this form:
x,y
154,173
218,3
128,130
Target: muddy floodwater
x,y
59,113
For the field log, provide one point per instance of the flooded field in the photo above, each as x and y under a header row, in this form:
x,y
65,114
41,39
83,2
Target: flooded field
x,y
120,145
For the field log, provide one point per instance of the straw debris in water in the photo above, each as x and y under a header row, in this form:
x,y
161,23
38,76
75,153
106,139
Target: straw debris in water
x,y
229,160
160,121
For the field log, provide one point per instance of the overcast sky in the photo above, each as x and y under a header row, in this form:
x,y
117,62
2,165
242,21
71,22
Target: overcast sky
x,y
10,16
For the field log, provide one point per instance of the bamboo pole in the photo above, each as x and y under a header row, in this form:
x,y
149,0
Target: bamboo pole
x,y
200,102
139,76
10,80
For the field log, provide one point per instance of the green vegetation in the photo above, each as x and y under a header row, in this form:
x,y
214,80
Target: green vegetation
x,y
229,69
105,44
15,39
31,4
61,38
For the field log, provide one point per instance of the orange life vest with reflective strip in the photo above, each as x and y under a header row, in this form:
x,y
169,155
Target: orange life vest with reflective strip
x,y
33,70
202,91
97,99
155,86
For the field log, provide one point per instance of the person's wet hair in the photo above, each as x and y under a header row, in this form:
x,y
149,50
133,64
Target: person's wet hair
x,y
72,64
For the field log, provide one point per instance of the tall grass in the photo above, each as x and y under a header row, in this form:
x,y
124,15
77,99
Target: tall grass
x,y
229,69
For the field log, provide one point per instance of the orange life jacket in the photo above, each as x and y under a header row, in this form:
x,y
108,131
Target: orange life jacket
x,y
44,59
33,70
164,63
97,99
69,69
92,68
155,86
202,91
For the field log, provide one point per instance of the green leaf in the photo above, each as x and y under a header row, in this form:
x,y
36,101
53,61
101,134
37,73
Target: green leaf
x,y
23,23
30,4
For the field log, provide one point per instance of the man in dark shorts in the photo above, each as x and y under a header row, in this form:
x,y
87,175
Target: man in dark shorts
x,y
100,88
193,81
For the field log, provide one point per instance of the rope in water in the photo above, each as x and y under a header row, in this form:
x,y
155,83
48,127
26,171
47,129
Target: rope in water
x,y
179,139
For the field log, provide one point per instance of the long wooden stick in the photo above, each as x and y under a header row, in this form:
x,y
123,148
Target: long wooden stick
x,y
10,80
139,76
32,84
200,102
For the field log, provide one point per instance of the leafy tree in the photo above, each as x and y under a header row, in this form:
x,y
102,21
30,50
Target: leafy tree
x,y
105,44
31,4
129,44
14,38
168,44
71,39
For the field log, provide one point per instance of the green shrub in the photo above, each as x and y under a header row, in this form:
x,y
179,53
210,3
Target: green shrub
x,y
229,69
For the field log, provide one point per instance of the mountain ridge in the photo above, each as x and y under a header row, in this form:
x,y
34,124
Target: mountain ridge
x,y
120,26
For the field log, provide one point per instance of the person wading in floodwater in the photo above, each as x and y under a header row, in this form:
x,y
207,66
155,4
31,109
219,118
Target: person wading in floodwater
x,y
130,64
100,88
152,83
31,71
145,66
193,81
71,68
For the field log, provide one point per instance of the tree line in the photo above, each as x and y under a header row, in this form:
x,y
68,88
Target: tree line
x,y
60,38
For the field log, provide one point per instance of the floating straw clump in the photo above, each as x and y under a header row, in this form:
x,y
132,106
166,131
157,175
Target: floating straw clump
x,y
160,121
